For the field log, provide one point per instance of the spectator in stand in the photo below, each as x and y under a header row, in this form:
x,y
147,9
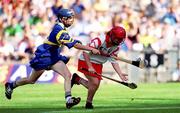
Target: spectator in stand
x,y
170,17
57,6
78,8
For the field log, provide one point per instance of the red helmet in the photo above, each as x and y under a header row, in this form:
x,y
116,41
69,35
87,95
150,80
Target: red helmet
x,y
117,35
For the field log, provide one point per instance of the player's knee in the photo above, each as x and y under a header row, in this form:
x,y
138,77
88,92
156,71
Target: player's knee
x,y
94,84
67,76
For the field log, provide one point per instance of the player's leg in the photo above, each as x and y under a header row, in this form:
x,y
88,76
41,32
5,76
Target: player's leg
x,y
76,79
61,68
93,84
31,80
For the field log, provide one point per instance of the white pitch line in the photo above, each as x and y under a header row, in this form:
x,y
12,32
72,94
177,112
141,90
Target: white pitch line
x,y
125,109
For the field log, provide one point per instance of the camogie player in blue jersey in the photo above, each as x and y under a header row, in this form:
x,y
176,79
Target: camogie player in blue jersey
x,y
47,56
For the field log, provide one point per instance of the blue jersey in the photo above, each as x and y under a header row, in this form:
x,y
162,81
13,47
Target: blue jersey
x,y
48,53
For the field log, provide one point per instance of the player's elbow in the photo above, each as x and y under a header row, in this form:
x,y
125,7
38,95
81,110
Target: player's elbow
x,y
67,77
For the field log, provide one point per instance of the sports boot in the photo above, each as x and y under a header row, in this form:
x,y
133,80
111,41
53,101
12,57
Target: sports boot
x,y
75,79
89,105
8,90
74,101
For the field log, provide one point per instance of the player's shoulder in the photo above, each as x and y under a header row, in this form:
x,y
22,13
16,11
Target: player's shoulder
x,y
59,27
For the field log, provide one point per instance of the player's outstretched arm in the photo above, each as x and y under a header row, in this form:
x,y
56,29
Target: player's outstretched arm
x,y
118,70
87,48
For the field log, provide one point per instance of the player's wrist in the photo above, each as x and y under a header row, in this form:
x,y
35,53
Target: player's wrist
x,y
91,50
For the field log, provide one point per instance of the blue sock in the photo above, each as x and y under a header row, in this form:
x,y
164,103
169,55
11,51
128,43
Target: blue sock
x,y
11,85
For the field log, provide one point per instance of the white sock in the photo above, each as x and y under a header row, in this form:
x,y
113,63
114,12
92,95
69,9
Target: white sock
x,y
68,99
68,96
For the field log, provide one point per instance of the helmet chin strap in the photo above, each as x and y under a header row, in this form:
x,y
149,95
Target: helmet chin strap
x,y
115,43
65,25
59,20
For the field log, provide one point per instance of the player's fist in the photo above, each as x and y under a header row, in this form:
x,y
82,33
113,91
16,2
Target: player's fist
x,y
95,51
123,77
91,70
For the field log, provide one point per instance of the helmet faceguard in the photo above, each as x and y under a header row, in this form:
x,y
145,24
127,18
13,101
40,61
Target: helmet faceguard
x,y
117,35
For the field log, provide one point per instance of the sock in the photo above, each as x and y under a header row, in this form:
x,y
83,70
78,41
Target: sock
x,y
68,96
13,85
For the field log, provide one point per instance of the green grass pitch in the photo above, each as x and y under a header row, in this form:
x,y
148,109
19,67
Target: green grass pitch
x,y
115,98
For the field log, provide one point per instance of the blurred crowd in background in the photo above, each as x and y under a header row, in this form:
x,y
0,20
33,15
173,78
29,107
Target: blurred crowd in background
x,y
24,24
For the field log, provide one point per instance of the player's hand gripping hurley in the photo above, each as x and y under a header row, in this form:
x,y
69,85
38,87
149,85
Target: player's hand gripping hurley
x,y
138,63
130,85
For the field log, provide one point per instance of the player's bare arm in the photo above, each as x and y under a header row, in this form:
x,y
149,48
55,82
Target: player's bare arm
x,y
120,73
82,47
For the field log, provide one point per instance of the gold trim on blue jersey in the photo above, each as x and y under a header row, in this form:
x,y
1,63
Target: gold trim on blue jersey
x,y
51,43
63,40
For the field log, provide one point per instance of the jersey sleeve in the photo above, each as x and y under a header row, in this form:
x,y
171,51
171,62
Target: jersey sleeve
x,y
112,60
95,43
63,38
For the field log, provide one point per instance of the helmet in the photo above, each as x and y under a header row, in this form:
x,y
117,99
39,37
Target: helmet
x,y
65,13
66,16
117,35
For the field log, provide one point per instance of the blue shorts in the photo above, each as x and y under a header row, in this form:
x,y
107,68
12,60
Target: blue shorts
x,y
46,56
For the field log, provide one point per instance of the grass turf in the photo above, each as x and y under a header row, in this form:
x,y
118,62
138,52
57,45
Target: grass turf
x,y
49,98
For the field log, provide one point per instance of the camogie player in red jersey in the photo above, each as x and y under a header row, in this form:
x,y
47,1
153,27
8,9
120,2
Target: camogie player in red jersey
x,y
108,45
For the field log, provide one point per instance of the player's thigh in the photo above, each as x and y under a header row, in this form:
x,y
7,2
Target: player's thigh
x,y
61,68
35,75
